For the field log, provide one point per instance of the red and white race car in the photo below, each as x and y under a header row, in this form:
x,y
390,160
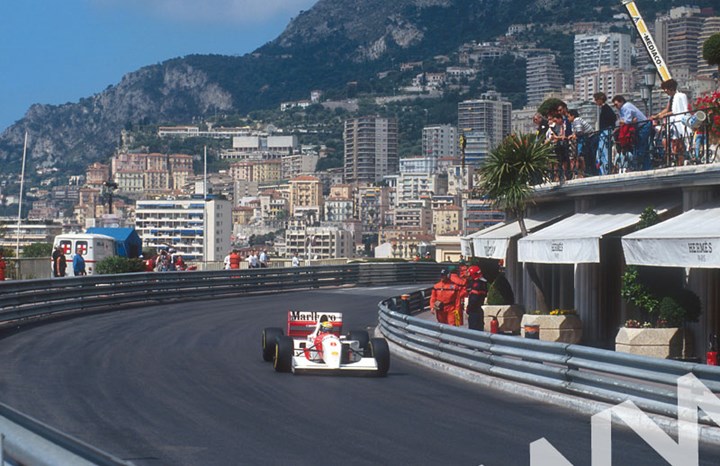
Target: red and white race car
x,y
314,344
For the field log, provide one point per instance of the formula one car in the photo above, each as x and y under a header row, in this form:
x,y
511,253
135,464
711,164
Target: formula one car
x,y
314,344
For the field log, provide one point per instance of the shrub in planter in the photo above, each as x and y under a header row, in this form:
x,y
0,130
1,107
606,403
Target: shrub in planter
x,y
115,264
500,292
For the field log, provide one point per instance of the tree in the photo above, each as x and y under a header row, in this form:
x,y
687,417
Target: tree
x,y
38,250
549,106
711,50
506,178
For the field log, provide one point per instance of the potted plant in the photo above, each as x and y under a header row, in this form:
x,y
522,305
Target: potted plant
x,y
559,325
659,331
500,304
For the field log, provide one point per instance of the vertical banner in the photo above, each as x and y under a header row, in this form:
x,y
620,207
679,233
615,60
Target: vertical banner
x,y
647,39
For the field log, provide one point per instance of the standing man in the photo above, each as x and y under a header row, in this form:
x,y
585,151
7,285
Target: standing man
x,y
606,125
78,263
444,298
59,263
476,291
675,109
295,261
263,258
631,115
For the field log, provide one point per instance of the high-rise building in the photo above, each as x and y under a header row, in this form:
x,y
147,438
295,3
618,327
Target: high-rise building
x,y
710,26
677,35
490,114
195,228
439,141
543,77
371,148
593,51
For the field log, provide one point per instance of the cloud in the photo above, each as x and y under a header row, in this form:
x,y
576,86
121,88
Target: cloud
x,y
211,11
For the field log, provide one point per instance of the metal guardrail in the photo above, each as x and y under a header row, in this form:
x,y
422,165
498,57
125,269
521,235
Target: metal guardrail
x,y
26,441
593,373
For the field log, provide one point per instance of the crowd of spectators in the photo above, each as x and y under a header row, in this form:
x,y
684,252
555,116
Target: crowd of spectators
x,y
625,138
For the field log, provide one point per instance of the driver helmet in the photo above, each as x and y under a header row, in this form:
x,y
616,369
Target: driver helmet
x,y
326,327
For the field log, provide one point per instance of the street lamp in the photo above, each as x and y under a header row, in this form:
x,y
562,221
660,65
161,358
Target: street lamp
x,y
602,39
647,86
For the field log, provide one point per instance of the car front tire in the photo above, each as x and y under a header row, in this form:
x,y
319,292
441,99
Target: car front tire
x,y
282,362
269,336
380,351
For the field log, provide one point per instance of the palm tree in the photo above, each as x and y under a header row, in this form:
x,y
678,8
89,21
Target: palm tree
x,y
506,177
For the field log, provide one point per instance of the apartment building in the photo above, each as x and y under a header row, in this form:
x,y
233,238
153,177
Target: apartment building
x,y
543,78
151,173
373,203
439,141
371,148
324,242
446,219
490,114
197,229
305,196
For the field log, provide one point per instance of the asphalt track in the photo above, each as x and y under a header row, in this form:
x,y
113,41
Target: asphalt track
x,y
184,384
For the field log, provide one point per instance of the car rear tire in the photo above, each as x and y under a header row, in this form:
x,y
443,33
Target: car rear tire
x,y
363,339
269,336
282,362
380,351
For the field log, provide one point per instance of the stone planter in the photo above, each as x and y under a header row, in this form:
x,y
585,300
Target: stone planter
x,y
564,329
666,343
509,317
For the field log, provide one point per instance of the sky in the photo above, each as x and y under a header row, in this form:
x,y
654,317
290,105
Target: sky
x,y
58,51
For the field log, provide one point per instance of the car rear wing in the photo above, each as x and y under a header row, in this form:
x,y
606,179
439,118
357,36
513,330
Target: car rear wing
x,y
303,323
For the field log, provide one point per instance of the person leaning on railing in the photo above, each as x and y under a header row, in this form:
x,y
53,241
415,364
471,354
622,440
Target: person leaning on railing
x,y
676,107
606,127
631,115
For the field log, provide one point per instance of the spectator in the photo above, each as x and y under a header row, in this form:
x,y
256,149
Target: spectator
x,y
581,137
2,267
226,262
60,263
444,298
606,125
54,257
252,259
263,259
180,263
234,260
541,125
295,261
78,263
556,136
631,115
676,108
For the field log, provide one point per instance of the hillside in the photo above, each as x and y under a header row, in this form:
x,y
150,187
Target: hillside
x,y
335,42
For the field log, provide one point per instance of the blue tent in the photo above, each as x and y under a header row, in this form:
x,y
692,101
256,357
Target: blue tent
x,y
127,241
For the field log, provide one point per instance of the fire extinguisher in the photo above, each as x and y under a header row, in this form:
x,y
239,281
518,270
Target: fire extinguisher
x,y
712,353
494,324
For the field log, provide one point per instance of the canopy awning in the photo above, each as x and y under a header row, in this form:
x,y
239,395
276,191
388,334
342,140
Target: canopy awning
x,y
493,243
466,242
692,239
576,239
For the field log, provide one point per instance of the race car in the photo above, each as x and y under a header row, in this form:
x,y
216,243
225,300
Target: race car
x,y
315,344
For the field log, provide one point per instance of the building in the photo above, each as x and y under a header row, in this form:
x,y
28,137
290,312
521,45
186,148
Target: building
x,y
373,203
151,173
446,219
490,114
371,149
710,26
439,141
298,164
324,242
611,81
676,36
412,186
195,228
593,51
543,78
305,196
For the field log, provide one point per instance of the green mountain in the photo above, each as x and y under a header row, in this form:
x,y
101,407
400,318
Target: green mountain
x,y
335,42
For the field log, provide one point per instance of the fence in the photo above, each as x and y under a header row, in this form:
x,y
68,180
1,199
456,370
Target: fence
x,y
638,146
571,369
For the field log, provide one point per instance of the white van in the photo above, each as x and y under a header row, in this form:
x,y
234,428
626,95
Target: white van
x,y
93,247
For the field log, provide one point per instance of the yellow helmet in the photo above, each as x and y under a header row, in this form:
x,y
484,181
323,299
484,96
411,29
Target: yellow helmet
x,y
326,327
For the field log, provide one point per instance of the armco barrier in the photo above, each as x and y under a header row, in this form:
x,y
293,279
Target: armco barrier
x,y
26,441
597,374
